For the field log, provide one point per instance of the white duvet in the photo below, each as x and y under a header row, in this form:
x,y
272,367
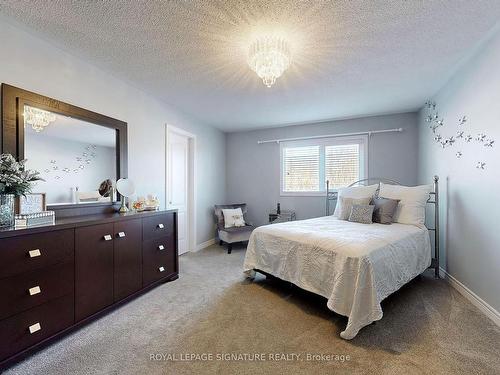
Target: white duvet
x,y
355,266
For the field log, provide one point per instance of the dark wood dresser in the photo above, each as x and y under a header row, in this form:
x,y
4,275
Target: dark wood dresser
x,y
55,278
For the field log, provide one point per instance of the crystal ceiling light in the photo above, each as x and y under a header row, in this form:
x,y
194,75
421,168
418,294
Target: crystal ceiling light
x,y
38,118
269,57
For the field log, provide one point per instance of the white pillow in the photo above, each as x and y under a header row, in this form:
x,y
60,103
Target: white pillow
x,y
355,192
412,201
233,217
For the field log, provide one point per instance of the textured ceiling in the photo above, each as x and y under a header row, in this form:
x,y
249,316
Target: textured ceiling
x,y
350,58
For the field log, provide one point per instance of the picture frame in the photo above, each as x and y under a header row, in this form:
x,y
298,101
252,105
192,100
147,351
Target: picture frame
x,y
30,204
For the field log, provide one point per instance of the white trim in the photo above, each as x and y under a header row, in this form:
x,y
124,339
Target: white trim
x,y
205,244
477,301
192,188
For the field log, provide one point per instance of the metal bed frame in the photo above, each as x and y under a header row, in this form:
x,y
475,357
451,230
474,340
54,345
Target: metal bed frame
x,y
433,199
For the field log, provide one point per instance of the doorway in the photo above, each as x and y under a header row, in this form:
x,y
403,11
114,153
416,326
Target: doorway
x,y
180,178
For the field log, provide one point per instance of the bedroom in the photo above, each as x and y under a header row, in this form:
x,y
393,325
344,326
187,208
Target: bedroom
x,y
172,100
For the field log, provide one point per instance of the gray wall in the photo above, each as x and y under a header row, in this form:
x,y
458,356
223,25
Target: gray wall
x,y
253,170
36,65
470,206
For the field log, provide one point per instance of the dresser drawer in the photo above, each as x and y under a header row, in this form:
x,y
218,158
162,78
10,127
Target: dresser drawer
x,y
29,327
22,292
158,257
158,226
34,251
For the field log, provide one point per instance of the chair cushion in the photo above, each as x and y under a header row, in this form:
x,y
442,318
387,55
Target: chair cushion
x,y
246,228
236,234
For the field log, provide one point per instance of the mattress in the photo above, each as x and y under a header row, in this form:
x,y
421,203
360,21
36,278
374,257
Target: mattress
x,y
355,266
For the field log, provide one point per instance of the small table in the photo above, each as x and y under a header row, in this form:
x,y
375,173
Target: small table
x,y
281,217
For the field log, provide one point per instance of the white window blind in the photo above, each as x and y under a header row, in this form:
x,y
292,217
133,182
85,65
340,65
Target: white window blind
x,y
342,165
307,165
301,168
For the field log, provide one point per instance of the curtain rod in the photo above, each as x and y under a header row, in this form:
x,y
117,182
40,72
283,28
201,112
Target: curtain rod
x,y
369,133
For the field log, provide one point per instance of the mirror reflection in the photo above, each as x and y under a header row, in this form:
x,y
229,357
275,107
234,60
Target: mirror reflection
x,y
77,159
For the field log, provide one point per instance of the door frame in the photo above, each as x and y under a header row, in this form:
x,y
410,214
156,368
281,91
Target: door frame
x,y
191,195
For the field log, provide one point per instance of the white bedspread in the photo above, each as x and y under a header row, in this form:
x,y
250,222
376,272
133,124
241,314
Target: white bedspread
x,y
355,266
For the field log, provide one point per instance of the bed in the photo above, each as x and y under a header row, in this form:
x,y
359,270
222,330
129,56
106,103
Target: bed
x,y
354,266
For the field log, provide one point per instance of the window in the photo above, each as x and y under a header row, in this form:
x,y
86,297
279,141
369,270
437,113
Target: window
x,y
301,168
306,165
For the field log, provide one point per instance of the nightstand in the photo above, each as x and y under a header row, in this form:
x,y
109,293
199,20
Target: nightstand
x,y
282,217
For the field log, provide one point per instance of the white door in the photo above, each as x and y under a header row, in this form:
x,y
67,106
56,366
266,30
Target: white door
x,y
178,182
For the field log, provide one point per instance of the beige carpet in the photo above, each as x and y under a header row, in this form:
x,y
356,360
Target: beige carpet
x,y
427,328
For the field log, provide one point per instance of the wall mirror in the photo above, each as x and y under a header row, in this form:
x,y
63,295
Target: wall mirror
x,y
73,156
80,154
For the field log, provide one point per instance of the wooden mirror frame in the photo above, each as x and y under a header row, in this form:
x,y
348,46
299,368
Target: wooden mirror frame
x,y
12,137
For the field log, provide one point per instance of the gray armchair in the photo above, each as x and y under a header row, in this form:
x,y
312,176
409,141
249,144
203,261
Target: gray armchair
x,y
234,234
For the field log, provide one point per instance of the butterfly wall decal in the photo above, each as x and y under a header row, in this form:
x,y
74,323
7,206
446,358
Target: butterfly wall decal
x,y
489,143
481,165
435,122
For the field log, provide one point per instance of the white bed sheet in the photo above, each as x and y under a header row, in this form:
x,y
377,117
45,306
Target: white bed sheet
x,y
355,266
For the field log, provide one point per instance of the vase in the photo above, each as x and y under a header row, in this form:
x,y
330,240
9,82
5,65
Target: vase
x,y
7,210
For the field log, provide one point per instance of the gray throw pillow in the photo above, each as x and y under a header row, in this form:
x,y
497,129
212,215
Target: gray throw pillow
x,y
384,209
347,203
361,213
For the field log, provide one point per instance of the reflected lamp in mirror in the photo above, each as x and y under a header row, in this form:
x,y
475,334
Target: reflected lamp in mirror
x,y
126,188
37,118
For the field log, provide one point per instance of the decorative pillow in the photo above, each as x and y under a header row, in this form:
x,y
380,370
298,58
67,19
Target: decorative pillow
x,y
346,206
233,217
355,192
412,201
361,213
384,209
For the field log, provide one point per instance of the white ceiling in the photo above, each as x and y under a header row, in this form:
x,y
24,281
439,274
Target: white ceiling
x,y
351,57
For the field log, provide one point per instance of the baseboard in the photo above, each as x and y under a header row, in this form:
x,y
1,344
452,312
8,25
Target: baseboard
x,y
205,244
477,301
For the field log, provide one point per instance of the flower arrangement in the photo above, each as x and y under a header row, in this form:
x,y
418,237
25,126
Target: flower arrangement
x,y
14,178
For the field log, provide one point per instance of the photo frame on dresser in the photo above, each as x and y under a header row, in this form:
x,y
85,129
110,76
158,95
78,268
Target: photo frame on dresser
x,y
30,203
19,133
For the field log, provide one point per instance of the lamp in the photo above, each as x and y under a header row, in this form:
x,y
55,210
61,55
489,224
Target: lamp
x,y
269,57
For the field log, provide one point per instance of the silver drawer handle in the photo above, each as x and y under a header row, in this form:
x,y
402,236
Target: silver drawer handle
x,y
161,226
35,253
35,327
34,290
162,269
161,247
108,237
121,234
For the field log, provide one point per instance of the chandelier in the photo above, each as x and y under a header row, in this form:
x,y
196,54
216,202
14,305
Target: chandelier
x,y
269,57
38,118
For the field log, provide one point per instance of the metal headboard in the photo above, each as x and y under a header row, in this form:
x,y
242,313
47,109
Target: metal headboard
x,y
433,199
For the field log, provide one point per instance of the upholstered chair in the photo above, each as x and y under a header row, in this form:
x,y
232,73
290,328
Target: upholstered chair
x,y
233,234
